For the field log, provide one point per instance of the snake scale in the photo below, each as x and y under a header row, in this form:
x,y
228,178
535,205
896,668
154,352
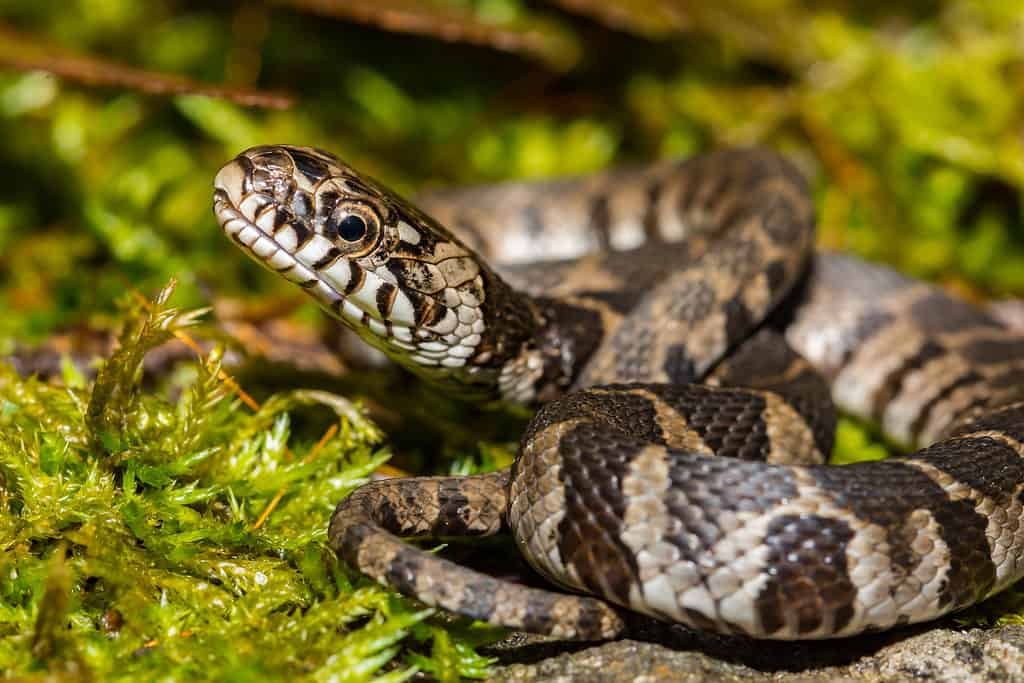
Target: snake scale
x,y
684,344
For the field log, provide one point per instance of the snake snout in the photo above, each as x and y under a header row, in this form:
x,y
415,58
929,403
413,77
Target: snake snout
x,y
262,188
231,180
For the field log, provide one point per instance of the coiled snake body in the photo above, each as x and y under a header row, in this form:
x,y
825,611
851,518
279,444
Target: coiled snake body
x,y
683,342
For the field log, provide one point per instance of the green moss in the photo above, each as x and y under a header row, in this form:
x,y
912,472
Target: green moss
x,y
153,503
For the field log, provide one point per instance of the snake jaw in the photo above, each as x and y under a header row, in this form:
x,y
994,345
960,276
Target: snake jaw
x,y
406,286
263,248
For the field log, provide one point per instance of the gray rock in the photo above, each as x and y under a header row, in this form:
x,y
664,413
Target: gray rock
x,y
675,654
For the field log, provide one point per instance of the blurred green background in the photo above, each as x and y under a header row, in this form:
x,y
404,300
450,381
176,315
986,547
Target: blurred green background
x,y
908,118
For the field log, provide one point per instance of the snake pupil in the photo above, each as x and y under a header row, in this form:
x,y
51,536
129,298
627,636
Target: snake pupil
x,y
351,228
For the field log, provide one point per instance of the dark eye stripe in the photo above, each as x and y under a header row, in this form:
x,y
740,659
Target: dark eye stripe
x,y
356,279
302,235
281,218
386,295
327,259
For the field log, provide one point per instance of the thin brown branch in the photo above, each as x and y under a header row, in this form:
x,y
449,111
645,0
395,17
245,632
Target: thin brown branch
x,y
30,53
648,18
533,36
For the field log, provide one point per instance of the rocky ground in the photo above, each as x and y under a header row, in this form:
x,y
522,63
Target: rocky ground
x,y
941,653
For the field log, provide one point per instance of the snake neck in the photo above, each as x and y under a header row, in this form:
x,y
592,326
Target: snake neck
x,y
546,358
531,351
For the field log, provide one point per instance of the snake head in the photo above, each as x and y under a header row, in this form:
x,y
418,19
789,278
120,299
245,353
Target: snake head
x,y
370,258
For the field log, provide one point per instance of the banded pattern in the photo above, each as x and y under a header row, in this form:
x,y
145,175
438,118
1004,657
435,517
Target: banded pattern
x,y
684,346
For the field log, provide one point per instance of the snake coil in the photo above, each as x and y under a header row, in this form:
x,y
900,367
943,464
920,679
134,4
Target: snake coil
x,y
685,344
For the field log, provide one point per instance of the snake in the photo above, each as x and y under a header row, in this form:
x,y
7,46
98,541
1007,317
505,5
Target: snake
x,y
685,348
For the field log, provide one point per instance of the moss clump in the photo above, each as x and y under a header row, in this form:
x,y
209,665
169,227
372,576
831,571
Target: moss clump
x,y
131,548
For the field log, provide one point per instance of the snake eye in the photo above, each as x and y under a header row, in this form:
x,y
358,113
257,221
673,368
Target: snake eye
x,y
352,226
